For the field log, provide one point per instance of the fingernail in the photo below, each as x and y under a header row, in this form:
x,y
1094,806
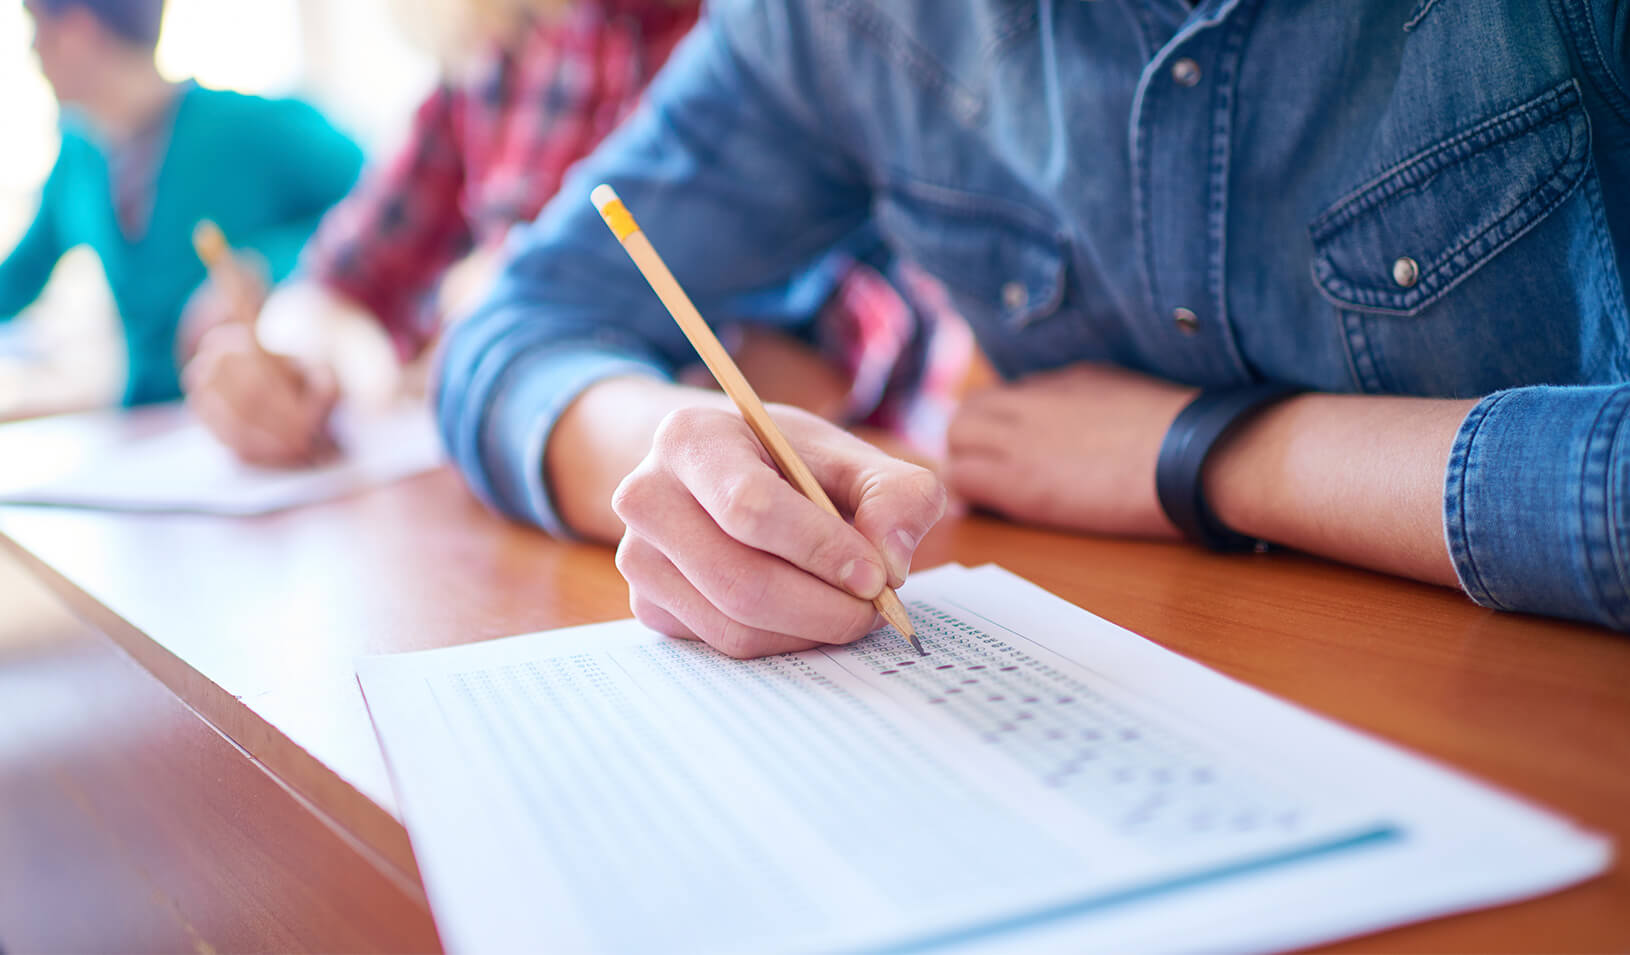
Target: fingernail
x,y
863,578
897,550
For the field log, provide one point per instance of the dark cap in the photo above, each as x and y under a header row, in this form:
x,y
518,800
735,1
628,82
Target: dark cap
x,y
137,21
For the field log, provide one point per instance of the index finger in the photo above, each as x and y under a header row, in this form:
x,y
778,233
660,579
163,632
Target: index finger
x,y
752,503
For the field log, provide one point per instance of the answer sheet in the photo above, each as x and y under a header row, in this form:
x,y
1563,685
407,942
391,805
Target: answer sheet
x,y
186,470
1041,777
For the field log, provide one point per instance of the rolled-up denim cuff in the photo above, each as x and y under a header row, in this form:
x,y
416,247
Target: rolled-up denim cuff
x,y
1537,502
525,406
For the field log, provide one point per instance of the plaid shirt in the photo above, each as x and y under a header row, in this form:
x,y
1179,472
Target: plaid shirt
x,y
489,152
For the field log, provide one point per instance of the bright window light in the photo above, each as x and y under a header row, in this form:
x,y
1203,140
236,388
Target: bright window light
x,y
251,47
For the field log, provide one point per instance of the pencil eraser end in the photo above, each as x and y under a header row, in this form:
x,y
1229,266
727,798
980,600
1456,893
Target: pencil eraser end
x,y
602,196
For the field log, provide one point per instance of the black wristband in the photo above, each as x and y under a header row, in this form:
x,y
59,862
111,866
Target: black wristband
x,y
1179,472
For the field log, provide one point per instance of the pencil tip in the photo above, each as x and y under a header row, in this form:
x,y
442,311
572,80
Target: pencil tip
x,y
917,645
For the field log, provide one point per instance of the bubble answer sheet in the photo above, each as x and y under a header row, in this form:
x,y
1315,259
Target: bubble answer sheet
x,y
185,470
1042,780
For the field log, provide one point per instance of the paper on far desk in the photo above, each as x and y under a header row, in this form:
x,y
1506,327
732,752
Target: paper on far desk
x,y
1041,778
187,470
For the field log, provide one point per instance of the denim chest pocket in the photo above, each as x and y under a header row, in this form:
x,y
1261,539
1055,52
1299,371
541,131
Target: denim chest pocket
x,y
1416,262
1005,269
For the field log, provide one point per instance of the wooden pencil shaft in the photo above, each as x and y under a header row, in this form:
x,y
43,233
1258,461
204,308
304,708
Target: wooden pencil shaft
x,y
724,369
209,242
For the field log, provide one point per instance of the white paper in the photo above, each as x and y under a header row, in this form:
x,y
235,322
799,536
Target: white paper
x,y
187,470
1041,779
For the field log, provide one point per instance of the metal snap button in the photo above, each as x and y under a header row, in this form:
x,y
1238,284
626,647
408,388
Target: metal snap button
x,y
1406,272
1187,322
1015,295
1185,72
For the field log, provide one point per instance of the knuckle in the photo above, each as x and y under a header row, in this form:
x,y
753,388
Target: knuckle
x,y
626,560
631,501
924,494
650,615
739,591
736,641
680,428
744,505
825,555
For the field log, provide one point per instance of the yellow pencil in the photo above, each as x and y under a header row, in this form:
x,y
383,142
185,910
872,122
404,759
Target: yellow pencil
x,y
212,249
730,378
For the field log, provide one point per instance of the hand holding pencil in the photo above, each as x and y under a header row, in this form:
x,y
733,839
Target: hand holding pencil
x,y
768,565
268,408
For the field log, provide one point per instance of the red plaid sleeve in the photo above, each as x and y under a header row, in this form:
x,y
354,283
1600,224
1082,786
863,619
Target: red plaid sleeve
x,y
386,245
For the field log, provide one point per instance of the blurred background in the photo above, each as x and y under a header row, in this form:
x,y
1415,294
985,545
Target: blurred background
x,y
348,58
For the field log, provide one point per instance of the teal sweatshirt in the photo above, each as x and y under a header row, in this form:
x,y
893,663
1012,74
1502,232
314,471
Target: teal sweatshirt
x,y
264,170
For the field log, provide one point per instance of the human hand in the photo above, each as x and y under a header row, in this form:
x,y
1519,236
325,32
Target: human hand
x,y
266,407
1073,448
719,547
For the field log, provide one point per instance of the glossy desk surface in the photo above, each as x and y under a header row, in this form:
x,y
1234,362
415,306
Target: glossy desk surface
x,y
254,624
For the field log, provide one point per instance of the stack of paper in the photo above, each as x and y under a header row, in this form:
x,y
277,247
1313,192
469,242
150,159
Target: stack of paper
x,y
187,470
1043,779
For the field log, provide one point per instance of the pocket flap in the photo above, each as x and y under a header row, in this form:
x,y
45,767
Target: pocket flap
x,y
980,249
1403,240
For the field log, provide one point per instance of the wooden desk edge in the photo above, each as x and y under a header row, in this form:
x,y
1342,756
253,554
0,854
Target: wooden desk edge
x,y
375,832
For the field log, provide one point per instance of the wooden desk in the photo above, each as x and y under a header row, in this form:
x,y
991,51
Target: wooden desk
x,y
253,623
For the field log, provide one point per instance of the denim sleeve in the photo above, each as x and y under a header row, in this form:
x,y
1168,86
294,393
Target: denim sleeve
x,y
1537,502
727,174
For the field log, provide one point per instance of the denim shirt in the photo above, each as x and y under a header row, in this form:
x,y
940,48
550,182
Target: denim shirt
x,y
1414,197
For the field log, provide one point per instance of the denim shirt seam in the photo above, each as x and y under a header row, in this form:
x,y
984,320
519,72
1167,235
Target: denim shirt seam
x,y
1603,555
1538,111
1224,101
1462,471
919,63
1588,44
1431,286
1422,8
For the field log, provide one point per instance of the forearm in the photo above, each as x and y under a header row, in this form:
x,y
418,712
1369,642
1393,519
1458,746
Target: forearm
x,y
25,271
601,437
1359,479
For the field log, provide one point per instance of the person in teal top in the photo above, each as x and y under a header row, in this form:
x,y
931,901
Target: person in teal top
x,y
144,160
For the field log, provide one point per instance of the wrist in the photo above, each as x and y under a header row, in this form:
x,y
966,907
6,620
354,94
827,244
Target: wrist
x,y
1188,451
1247,463
602,436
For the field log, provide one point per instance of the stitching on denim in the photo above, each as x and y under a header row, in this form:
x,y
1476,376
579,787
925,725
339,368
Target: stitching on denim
x,y
918,62
1018,24
1615,576
1602,579
1360,357
1588,45
1142,222
1224,103
1548,107
979,212
1460,548
1429,289
1016,215
1421,10
1609,283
